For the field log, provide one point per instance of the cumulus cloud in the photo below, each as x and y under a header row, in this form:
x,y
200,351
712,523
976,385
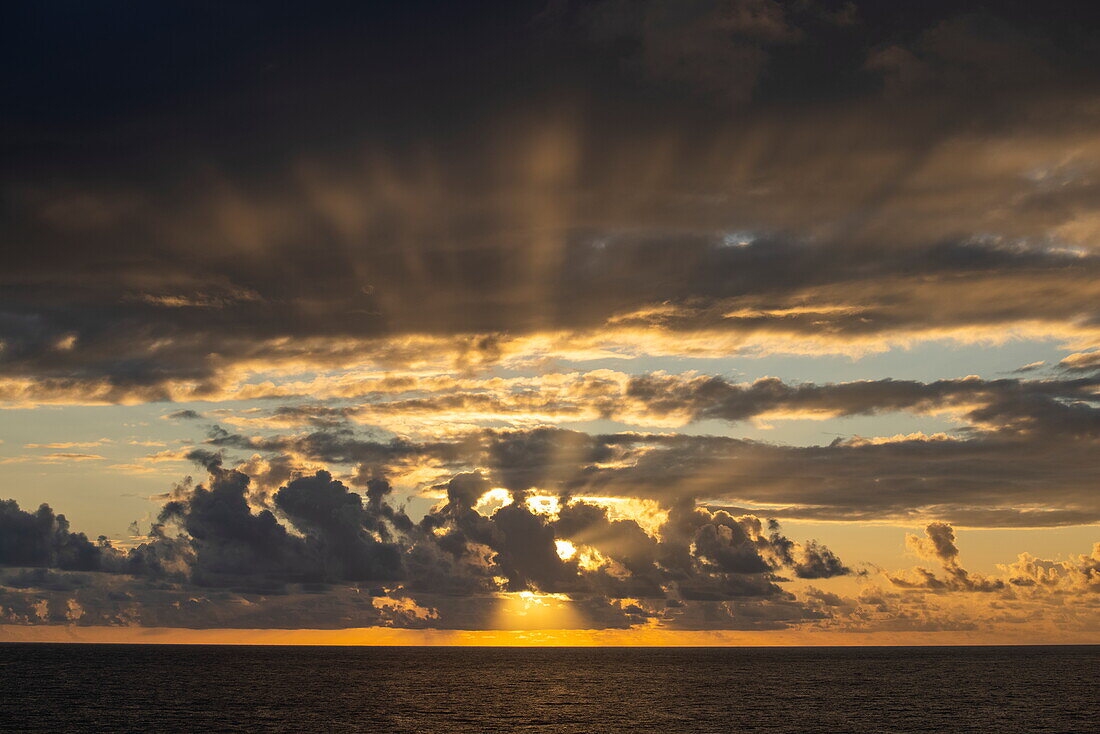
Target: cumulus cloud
x,y
1028,577
315,535
1079,574
701,569
43,539
1027,597
1040,595
939,545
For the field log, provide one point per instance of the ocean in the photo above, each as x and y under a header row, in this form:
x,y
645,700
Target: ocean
x,y
139,688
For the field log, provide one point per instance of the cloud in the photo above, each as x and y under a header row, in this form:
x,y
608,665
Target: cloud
x,y
1040,596
1077,575
1028,578
939,545
998,403
1081,362
322,555
315,535
57,457
1026,461
589,213
43,539
68,444
324,508
69,456
769,296
183,415
717,49
446,406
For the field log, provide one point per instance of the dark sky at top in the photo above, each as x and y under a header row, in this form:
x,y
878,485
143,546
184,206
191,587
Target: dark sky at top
x,y
144,84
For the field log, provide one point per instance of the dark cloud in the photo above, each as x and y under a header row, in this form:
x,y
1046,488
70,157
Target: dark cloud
x,y
316,415
231,543
345,528
622,540
1028,460
42,538
331,539
1081,362
859,192
184,415
339,538
716,49
702,569
1008,403
525,550
768,291
42,578
662,399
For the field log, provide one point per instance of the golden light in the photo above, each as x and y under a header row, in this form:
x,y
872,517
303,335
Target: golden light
x,y
544,504
530,610
566,550
647,513
591,559
493,500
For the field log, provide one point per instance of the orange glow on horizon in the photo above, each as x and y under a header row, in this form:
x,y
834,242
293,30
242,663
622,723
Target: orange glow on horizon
x,y
388,636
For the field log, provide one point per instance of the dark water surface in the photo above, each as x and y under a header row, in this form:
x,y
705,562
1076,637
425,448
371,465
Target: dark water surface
x,y
115,688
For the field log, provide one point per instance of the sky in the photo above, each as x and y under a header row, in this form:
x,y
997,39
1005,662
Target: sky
x,y
627,322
